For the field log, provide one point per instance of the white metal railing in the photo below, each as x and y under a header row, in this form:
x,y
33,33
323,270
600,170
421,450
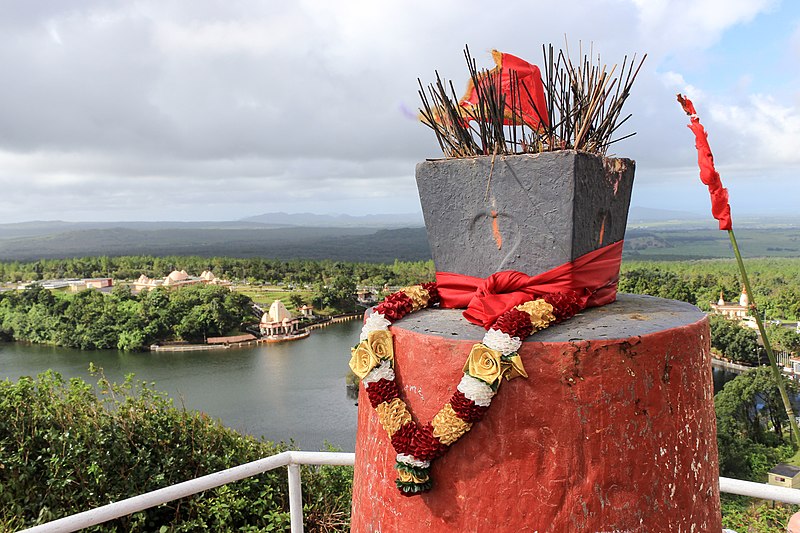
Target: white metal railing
x,y
293,460
759,490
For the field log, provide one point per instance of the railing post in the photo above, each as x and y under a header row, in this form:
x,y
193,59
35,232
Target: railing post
x,y
295,498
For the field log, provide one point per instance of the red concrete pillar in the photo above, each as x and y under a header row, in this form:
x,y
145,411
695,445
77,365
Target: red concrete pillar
x,y
612,432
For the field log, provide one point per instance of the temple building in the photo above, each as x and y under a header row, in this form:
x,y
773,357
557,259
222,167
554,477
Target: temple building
x,y
733,310
177,278
278,321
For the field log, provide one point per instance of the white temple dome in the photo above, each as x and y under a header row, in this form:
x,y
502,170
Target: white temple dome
x,y
176,275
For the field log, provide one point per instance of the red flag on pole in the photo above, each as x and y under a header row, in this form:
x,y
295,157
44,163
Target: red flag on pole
x,y
708,174
532,105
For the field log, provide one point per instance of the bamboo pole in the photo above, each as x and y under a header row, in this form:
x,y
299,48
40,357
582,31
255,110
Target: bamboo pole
x,y
776,372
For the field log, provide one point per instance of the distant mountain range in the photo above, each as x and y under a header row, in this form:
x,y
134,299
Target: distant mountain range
x,y
403,220
377,238
255,240
649,214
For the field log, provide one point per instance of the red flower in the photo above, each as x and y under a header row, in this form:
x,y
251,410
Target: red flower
x,y
392,311
381,391
425,446
399,296
403,437
515,323
466,409
565,304
395,306
433,293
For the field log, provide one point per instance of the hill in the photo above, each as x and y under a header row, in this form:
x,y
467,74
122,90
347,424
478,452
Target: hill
x,y
341,244
657,235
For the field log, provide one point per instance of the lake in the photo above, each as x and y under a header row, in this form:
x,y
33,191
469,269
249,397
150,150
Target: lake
x,y
294,390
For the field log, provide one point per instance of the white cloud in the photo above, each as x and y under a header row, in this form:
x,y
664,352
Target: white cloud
x,y
680,24
675,82
770,131
300,103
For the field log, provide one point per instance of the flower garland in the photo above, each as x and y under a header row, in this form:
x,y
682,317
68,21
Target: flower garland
x,y
488,363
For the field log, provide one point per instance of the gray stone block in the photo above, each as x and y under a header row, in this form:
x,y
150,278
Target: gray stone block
x,y
538,211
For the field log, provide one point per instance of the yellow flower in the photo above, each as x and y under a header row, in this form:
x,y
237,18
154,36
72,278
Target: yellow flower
x,y
380,344
419,296
369,353
393,415
362,360
541,313
484,363
447,427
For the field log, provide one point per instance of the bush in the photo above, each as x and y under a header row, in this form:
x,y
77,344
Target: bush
x,y
66,447
743,516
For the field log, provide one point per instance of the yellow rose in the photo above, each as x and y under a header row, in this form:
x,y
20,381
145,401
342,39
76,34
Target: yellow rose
x,y
484,363
362,360
419,296
380,343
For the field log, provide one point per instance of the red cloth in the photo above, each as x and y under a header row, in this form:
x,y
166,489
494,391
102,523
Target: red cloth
x,y
720,207
532,104
594,276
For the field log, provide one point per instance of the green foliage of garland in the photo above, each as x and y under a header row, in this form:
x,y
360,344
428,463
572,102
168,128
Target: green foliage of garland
x,y
66,447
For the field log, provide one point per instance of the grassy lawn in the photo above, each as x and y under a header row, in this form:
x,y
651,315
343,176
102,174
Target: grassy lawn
x,y
775,242
264,295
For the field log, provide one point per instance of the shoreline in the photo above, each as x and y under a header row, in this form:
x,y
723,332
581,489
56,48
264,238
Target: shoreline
x,y
255,342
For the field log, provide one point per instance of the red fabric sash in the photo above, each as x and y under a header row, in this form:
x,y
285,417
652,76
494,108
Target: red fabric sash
x,y
593,276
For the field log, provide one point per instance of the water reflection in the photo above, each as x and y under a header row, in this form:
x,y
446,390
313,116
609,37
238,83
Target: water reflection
x,y
284,391
287,391
721,377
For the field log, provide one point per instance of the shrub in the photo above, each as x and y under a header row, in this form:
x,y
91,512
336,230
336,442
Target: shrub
x,y
66,447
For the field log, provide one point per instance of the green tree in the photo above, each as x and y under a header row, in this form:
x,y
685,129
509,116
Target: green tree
x,y
750,424
734,341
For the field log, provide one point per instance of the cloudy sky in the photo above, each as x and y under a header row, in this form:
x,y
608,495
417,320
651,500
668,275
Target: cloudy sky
x,y
216,110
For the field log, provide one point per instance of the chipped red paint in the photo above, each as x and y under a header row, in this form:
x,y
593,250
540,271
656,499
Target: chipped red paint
x,y
604,436
498,237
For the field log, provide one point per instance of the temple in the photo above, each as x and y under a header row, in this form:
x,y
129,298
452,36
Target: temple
x,y
278,321
177,278
733,310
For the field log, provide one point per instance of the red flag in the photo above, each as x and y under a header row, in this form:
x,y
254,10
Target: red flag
x,y
708,174
532,105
